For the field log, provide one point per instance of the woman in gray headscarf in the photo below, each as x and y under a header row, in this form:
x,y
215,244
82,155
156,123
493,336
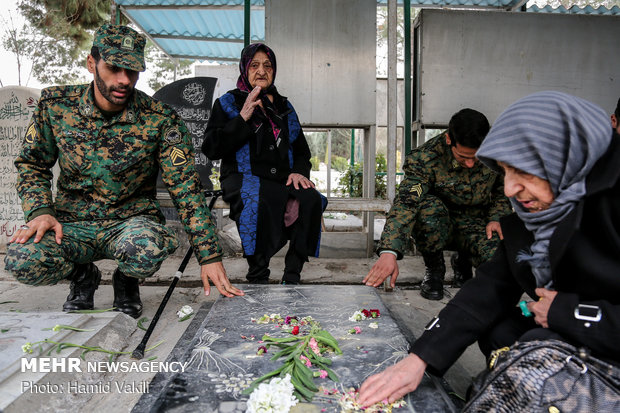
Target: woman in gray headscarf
x,y
561,164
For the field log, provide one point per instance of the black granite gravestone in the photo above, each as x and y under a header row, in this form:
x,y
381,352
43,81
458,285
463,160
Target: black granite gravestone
x,y
192,99
221,345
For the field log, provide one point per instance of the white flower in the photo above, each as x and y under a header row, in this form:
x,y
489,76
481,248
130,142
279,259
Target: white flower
x,y
357,316
185,311
373,325
27,348
273,397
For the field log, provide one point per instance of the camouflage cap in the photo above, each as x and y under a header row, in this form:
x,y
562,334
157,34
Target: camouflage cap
x,y
120,46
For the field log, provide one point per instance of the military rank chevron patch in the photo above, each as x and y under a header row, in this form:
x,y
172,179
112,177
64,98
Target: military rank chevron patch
x,y
178,157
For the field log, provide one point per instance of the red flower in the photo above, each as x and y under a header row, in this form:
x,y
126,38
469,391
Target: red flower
x,y
295,330
366,313
374,313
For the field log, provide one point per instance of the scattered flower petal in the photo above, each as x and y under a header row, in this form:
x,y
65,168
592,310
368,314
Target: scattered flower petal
x,y
185,311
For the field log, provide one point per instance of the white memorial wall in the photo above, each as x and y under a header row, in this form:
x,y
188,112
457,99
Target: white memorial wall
x,y
17,104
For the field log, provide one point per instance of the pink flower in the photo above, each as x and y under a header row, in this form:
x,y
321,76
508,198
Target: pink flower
x,y
322,374
306,361
261,350
314,346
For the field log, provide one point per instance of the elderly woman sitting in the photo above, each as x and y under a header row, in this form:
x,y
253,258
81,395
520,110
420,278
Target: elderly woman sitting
x,y
265,169
561,165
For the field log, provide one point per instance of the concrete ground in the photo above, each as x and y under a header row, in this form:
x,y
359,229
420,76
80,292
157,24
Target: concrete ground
x,y
404,302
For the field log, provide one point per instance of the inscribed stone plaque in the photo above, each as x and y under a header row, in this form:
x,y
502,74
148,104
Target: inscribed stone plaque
x,y
192,99
221,349
17,104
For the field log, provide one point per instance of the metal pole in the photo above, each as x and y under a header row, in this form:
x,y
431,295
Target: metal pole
x,y
392,101
407,135
246,23
352,162
118,14
329,162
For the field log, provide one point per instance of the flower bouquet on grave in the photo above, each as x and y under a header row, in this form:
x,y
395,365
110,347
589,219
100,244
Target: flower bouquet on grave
x,y
300,352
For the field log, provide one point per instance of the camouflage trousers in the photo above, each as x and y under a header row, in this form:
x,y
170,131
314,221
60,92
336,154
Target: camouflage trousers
x,y
436,228
138,245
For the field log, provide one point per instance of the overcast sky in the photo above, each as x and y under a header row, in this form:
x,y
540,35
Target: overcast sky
x,y
8,68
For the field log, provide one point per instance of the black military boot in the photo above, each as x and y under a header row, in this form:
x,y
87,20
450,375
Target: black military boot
x,y
461,265
432,284
126,294
85,280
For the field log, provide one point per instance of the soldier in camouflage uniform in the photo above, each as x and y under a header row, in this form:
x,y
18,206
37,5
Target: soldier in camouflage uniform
x,y
110,140
447,200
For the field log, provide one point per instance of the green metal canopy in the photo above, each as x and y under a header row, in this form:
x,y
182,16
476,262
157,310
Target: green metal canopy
x,y
216,30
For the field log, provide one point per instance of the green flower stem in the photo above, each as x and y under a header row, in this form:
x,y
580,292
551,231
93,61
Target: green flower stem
x,y
142,320
59,327
59,346
154,347
291,350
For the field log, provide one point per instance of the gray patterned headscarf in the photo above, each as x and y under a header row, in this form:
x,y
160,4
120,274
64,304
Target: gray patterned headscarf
x,y
556,137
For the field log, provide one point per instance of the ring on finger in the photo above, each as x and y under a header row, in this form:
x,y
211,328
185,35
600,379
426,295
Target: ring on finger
x,y
24,227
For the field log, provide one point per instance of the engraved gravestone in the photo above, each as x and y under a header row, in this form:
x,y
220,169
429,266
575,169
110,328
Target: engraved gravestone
x,y
17,104
192,99
221,348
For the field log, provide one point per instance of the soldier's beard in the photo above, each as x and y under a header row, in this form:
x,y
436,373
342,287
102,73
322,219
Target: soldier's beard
x,y
106,91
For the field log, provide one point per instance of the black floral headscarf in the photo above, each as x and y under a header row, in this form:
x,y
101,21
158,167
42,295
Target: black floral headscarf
x,y
247,54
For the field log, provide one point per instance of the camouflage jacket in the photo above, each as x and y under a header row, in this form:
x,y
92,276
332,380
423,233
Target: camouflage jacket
x,y
432,169
109,165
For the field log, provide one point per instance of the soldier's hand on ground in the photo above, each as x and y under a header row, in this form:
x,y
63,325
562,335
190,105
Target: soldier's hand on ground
x,y
384,267
299,179
492,227
394,382
38,227
540,308
217,274
250,104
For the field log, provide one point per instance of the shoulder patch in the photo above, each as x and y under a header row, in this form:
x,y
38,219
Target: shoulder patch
x,y
172,136
178,157
56,92
31,133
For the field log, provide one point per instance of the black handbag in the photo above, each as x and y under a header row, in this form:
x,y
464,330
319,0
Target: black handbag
x,y
545,376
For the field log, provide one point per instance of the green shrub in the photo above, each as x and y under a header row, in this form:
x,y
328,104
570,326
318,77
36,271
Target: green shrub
x,y
315,163
340,163
351,181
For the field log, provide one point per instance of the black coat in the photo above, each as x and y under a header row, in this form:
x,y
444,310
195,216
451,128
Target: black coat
x,y
227,133
584,252
254,171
